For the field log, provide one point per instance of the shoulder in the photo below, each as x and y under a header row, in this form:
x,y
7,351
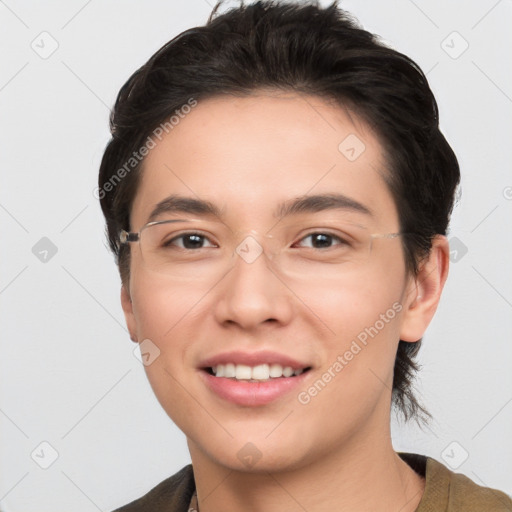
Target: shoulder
x,y
171,495
454,492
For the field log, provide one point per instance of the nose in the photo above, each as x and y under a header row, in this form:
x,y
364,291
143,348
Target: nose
x,y
252,293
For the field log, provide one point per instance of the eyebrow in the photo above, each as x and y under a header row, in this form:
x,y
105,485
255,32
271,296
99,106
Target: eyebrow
x,y
181,204
321,202
303,204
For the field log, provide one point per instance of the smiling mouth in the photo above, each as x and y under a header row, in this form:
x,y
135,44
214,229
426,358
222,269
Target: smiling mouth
x,y
258,373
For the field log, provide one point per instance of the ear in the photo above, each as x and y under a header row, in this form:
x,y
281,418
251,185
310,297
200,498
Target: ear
x,y
423,294
127,305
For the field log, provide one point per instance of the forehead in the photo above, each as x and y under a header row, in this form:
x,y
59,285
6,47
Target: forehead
x,y
250,155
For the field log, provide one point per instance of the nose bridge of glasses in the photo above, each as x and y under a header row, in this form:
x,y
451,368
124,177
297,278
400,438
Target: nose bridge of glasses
x,y
251,245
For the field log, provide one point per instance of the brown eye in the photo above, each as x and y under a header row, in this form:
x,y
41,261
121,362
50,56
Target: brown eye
x,y
190,241
320,241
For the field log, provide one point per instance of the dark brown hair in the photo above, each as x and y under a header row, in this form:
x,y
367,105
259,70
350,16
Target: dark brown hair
x,y
307,49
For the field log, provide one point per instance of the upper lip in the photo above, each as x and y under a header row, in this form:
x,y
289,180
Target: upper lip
x,y
253,359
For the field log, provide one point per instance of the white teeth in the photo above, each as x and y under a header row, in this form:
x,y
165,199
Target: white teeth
x,y
229,370
287,371
276,370
243,372
259,372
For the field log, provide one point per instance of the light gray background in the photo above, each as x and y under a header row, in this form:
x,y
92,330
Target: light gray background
x,y
67,370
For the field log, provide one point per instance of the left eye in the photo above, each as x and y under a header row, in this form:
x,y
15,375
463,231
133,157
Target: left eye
x,y
190,241
320,241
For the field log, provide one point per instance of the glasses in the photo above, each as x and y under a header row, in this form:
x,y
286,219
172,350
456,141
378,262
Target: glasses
x,y
197,249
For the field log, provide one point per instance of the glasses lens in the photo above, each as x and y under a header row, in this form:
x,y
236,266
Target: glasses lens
x,y
184,249
316,255
200,250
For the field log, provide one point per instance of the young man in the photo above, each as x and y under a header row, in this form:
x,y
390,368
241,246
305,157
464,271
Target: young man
x,y
277,192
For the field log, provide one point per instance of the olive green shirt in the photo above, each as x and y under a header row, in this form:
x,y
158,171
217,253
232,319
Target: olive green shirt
x,y
445,491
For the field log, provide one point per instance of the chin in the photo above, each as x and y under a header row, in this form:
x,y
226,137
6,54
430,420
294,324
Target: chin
x,y
260,462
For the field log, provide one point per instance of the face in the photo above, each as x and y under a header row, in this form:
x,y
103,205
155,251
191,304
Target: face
x,y
332,316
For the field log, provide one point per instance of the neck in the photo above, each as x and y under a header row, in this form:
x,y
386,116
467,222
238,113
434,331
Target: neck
x,y
367,475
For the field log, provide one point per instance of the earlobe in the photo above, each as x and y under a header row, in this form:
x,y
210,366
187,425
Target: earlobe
x,y
127,305
422,298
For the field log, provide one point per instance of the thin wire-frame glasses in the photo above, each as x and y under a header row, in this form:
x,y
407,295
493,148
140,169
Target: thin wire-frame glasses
x,y
192,249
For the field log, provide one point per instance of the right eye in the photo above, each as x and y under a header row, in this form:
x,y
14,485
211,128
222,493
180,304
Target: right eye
x,y
190,241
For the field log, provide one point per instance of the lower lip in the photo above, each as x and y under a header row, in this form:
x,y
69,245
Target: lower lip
x,y
252,394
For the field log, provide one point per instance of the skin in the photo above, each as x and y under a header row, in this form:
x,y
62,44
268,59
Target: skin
x,y
247,155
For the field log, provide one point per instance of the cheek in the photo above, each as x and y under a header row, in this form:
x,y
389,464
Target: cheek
x,y
162,306
166,315
366,334
355,381
363,318
358,302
